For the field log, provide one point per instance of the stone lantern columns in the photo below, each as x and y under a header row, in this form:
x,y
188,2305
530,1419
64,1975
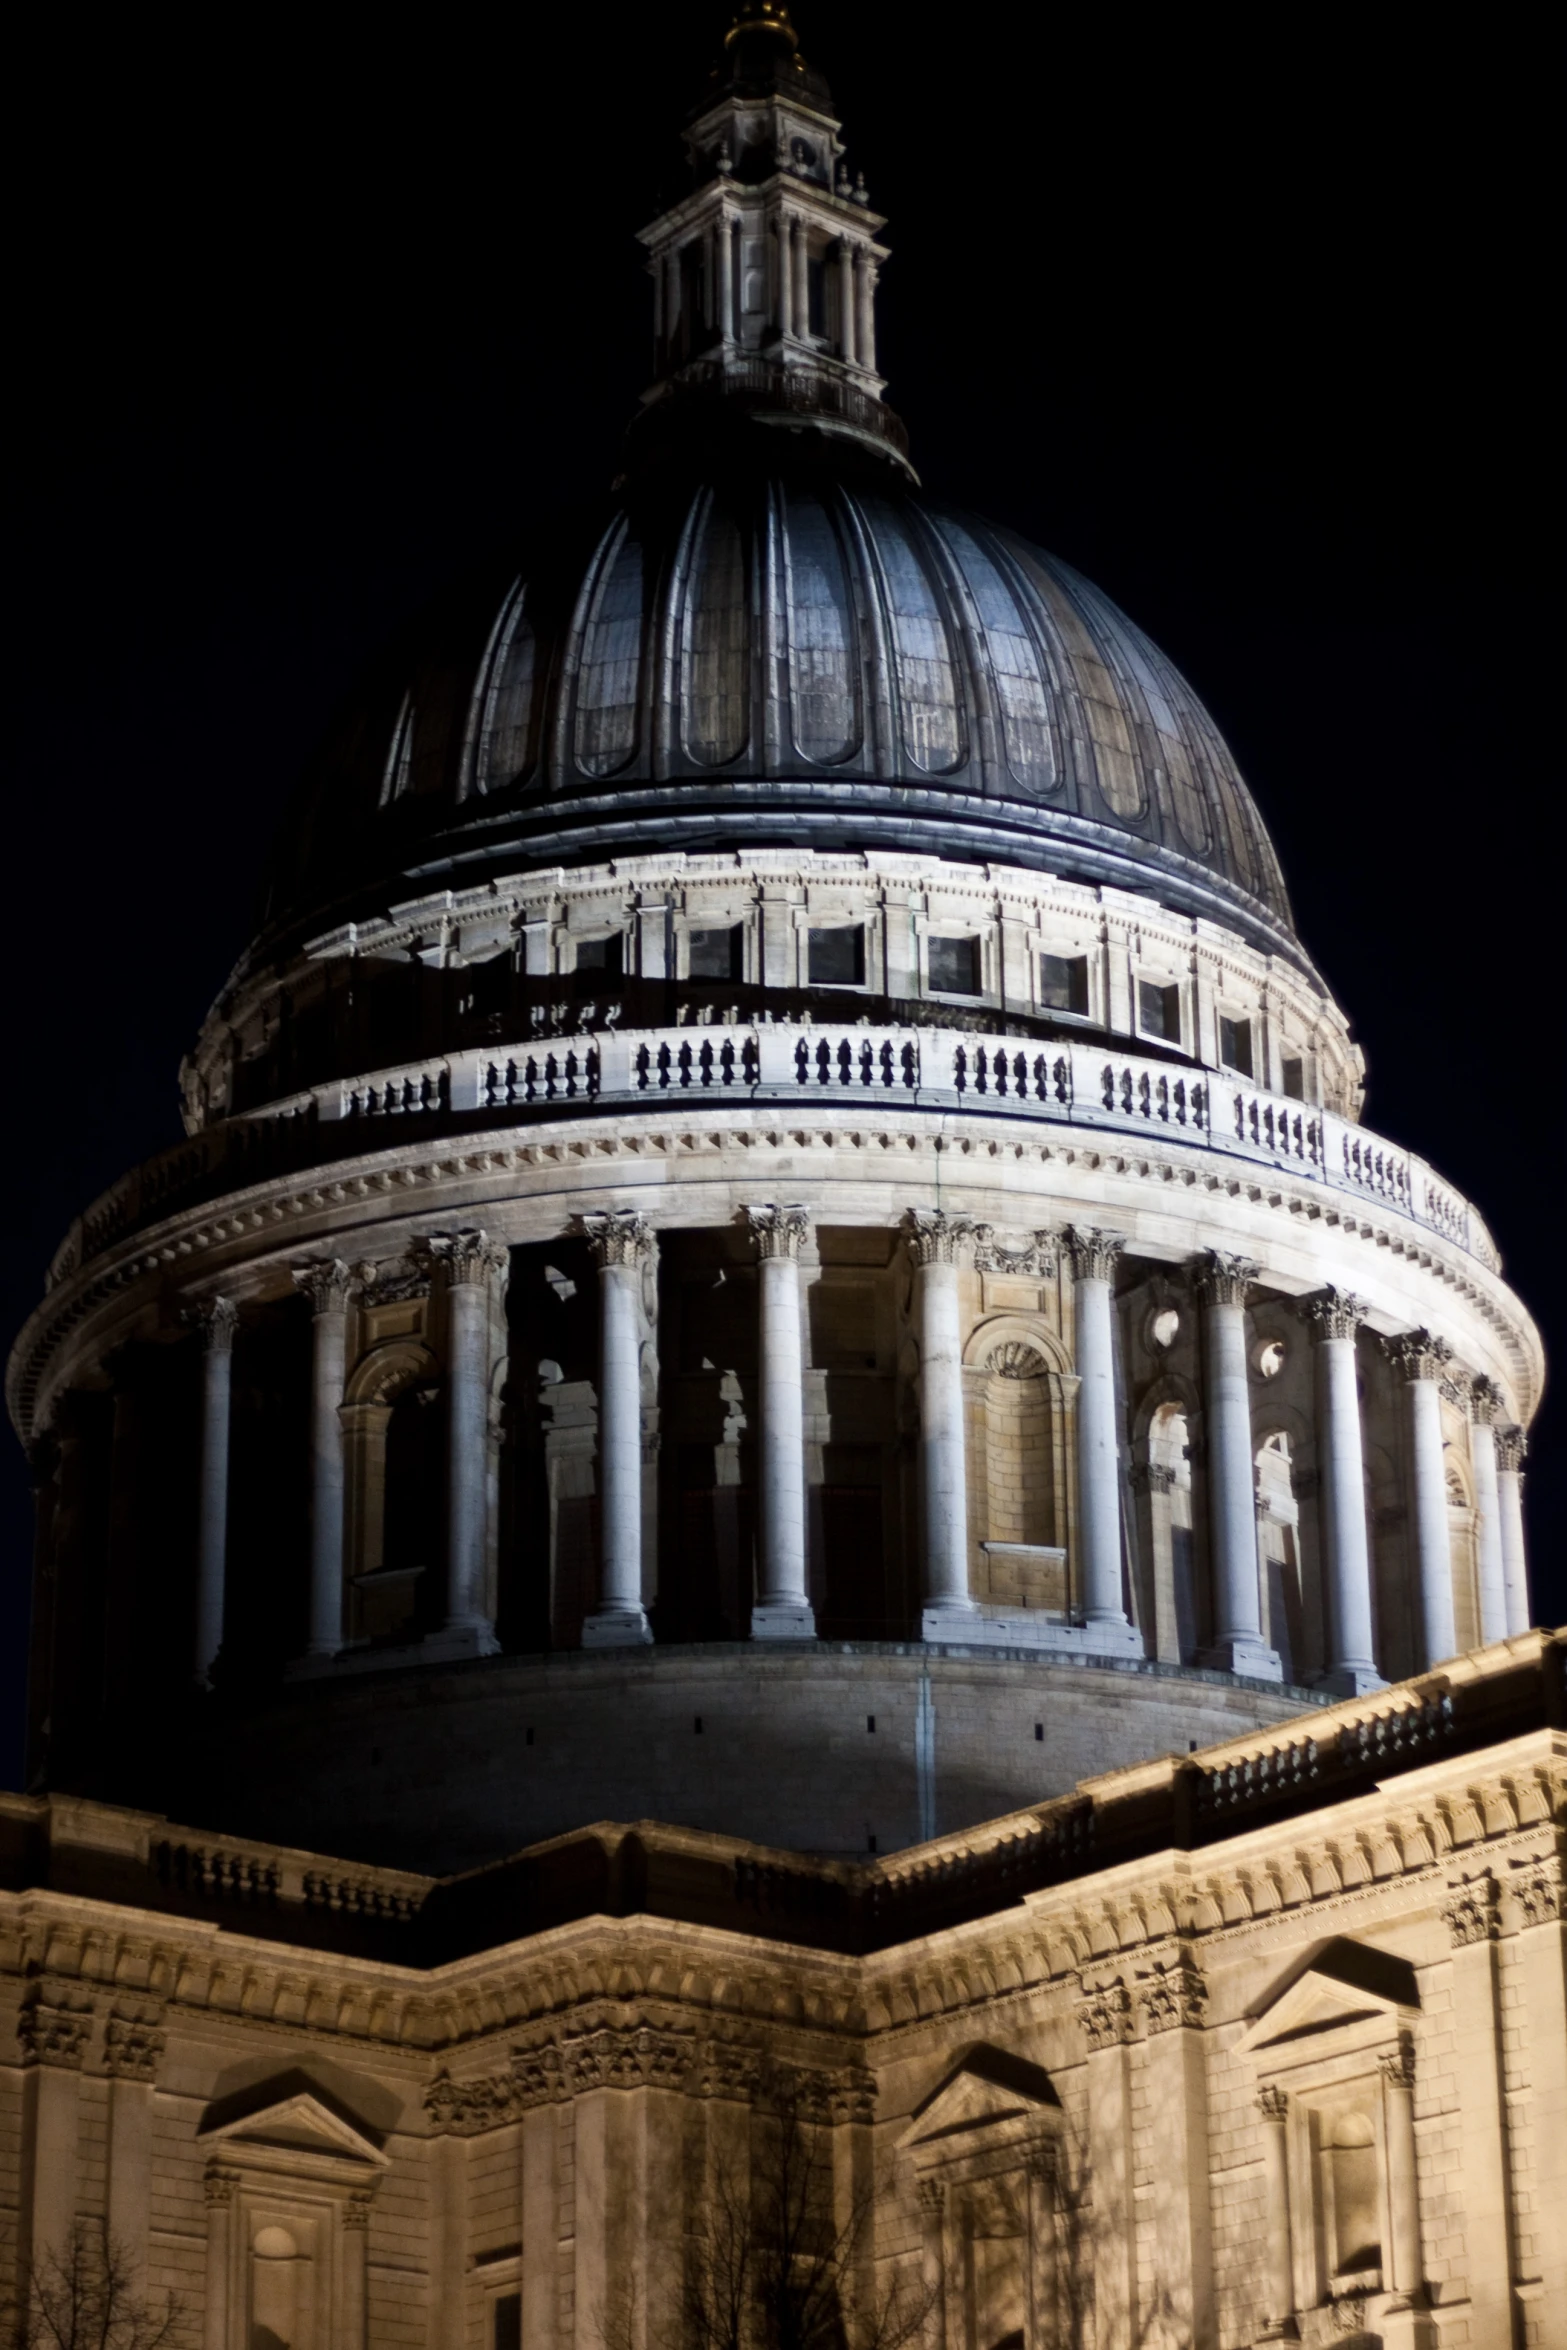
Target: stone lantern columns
x,y
1484,1411
217,1321
783,1609
1094,1257
327,1283
1422,1361
475,1269
623,1246
1238,1645
1335,1317
1511,1447
935,1243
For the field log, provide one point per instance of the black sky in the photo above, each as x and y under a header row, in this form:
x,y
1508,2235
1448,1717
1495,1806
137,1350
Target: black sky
x,y
1252,319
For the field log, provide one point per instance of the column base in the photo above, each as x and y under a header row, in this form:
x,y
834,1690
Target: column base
x,y
1244,1656
785,1621
453,1644
1350,1680
617,1628
983,1627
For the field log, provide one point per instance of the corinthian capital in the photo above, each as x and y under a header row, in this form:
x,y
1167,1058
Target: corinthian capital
x,y
934,1237
778,1232
1222,1280
217,1318
327,1282
619,1236
469,1257
1334,1313
1094,1255
1512,1447
1485,1403
1417,1355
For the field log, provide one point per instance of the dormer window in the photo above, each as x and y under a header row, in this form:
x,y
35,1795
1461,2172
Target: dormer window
x,y
717,954
603,954
836,957
954,966
1235,1045
1063,984
1159,1011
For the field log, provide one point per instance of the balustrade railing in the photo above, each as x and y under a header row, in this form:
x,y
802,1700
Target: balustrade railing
x,y
1076,1084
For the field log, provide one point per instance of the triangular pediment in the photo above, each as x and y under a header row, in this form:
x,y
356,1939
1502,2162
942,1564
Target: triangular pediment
x,y
987,2089
1342,1986
300,2124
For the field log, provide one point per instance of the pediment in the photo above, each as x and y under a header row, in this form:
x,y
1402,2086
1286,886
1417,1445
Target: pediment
x,y
1343,1986
298,2125
988,2089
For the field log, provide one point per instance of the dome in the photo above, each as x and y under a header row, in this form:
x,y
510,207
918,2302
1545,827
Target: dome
x,y
783,641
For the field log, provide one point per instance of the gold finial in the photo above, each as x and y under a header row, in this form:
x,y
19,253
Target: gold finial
x,y
762,16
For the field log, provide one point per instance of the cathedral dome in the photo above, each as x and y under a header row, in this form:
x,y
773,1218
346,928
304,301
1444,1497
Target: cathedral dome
x,y
778,639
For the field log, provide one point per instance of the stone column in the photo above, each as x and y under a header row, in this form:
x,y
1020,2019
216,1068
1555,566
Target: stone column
x,y
1238,1645
1511,1447
724,240
866,332
327,1282
932,2195
1398,2075
847,321
1279,2299
1422,1360
785,275
1346,1552
217,1321
935,1242
356,2279
1106,2018
217,2188
475,1268
1484,1410
623,1245
802,282
783,1608
1097,1566
1175,2084
1541,1947
131,2050
1482,2116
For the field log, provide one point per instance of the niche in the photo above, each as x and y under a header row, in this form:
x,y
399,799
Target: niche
x,y
1278,1544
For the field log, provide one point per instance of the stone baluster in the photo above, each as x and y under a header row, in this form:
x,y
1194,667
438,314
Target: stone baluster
x,y
1335,1317
1279,2299
623,1248
475,1269
847,321
216,1319
1238,1645
1422,1362
1511,1447
783,1608
1398,2075
1484,1411
328,1284
936,1241
1094,1258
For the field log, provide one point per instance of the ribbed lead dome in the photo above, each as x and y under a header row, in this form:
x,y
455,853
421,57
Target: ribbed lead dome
x,y
804,652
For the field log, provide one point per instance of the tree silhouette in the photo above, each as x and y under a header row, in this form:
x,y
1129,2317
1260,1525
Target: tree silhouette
x,y
84,2297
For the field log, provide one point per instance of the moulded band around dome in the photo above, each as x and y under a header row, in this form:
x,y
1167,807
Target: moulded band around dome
x,y
797,649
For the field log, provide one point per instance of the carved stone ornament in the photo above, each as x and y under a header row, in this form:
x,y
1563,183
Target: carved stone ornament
x,y
356,2211
53,2035
778,1232
1013,1360
1417,1355
935,1238
1177,1996
1512,1448
469,1257
1273,2103
1152,1477
132,2046
1222,1280
540,2076
1541,1898
218,2187
1485,1402
619,1236
465,2108
217,1318
1106,2016
728,2069
1094,1254
327,1282
1334,1313
1032,1259
394,1283
1397,2065
639,2058
1471,1914
933,2197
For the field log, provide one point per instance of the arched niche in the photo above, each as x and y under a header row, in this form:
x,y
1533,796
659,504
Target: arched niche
x,y
392,1439
1018,1389
1278,1548
1163,1438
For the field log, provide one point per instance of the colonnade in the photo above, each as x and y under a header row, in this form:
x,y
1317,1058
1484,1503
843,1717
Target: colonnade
x,y
791,232
623,1245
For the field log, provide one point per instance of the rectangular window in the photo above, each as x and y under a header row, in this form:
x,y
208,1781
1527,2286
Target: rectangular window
x,y
1159,1011
1295,1080
1063,983
954,966
837,957
816,295
718,954
508,2322
602,954
1235,1044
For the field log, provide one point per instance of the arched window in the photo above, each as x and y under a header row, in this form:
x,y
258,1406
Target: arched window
x,y
1278,1546
1169,1463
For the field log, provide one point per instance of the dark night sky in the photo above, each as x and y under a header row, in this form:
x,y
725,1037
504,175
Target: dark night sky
x,y
1243,316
